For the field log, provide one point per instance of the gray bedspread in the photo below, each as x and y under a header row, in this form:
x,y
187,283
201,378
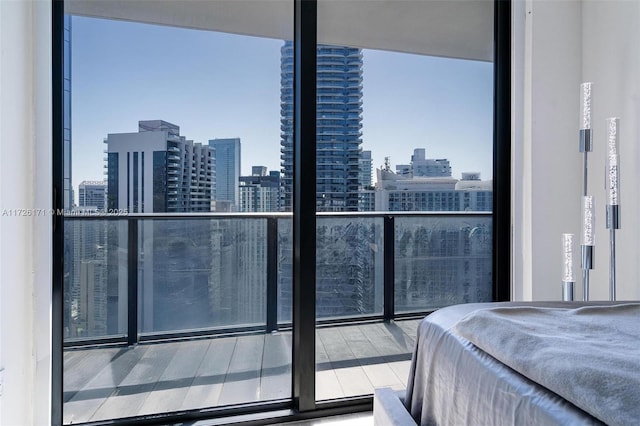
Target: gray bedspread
x,y
589,356
453,382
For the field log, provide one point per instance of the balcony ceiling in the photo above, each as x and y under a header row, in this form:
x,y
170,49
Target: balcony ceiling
x,y
450,28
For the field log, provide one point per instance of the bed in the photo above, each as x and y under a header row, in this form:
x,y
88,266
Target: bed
x,y
553,363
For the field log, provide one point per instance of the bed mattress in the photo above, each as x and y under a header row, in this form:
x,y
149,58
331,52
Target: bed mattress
x,y
452,382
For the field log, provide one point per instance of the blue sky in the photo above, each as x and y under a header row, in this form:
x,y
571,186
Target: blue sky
x,y
216,85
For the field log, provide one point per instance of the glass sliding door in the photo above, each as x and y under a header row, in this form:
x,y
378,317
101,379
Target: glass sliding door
x,y
404,141
258,211
177,276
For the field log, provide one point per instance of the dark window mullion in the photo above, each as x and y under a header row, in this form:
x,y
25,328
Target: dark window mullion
x,y
304,205
501,251
57,282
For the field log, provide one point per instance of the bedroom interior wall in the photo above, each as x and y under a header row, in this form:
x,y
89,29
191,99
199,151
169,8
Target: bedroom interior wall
x,y
16,348
556,46
611,60
25,241
546,46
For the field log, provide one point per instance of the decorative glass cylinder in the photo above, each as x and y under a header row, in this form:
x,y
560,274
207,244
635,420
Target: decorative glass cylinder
x,y
567,258
612,178
588,219
585,106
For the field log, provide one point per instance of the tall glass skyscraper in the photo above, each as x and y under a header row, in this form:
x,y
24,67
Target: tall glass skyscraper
x,y
228,161
346,282
339,125
66,139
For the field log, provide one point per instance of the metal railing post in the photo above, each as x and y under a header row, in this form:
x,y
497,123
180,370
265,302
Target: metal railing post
x,y
132,282
389,267
272,274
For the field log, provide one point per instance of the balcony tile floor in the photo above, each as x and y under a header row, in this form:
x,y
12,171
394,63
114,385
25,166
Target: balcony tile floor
x,y
115,382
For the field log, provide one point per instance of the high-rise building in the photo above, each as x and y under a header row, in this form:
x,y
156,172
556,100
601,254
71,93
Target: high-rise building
x,y
396,192
429,167
92,194
151,171
157,170
475,194
66,124
424,167
366,193
338,180
404,170
426,185
338,127
260,192
85,288
443,261
227,160
258,171
366,169
367,200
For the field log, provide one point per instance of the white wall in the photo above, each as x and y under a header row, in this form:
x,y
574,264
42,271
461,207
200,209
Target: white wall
x,y
611,59
25,182
556,46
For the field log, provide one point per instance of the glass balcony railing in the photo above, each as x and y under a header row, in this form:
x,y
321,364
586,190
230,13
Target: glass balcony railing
x,y
143,277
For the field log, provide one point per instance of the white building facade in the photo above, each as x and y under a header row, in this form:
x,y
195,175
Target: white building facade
x,y
157,170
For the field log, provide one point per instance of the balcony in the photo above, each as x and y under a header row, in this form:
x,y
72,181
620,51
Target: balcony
x,y
115,382
184,311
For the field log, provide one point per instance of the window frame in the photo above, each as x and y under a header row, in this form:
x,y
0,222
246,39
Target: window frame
x,y
302,403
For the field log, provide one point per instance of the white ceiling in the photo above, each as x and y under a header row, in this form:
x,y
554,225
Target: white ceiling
x,y
450,28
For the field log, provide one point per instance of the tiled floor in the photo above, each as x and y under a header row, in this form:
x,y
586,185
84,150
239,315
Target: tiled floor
x,y
351,360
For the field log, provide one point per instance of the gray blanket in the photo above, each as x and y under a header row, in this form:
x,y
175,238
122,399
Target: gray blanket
x,y
590,356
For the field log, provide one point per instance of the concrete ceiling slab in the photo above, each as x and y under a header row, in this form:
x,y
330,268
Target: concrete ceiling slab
x,y
450,28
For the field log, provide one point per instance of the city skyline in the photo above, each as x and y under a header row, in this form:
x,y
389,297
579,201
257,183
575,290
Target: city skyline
x,y
234,92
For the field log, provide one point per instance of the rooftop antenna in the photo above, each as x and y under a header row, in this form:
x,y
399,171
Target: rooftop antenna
x,y
387,164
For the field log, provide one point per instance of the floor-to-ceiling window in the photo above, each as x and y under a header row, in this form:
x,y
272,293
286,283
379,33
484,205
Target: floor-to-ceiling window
x,y
171,285
180,294
404,142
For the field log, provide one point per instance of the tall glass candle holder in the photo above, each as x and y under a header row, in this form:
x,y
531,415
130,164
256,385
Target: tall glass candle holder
x,y
586,144
568,279
588,221
612,187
